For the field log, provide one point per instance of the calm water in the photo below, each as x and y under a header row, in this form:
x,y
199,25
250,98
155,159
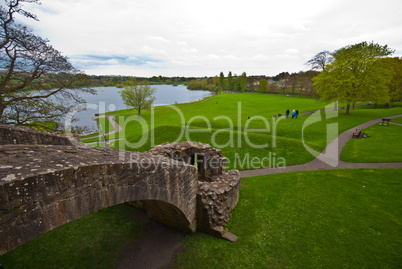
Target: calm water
x,y
108,99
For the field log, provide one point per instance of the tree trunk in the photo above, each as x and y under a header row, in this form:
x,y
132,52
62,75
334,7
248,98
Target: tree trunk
x,y
2,107
347,109
375,106
336,105
390,104
353,106
139,112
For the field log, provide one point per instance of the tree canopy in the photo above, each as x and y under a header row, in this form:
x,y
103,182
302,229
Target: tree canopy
x,y
138,96
356,74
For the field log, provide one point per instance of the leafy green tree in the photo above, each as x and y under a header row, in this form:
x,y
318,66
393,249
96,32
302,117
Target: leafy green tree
x,y
222,81
395,85
241,84
230,82
356,74
138,96
131,82
263,86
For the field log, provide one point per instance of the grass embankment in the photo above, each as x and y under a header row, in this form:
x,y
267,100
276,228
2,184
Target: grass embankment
x,y
105,126
397,120
223,122
382,145
92,241
318,219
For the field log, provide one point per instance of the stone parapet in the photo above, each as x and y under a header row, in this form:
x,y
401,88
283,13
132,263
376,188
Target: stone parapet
x,y
45,186
22,135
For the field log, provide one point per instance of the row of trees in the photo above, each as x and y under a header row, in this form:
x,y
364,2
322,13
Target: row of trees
x,y
360,72
285,83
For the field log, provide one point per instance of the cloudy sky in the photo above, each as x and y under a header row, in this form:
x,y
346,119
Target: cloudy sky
x,y
203,38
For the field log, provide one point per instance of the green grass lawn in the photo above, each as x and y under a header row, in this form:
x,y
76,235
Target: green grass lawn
x,y
319,219
83,137
222,121
382,145
92,241
105,126
397,120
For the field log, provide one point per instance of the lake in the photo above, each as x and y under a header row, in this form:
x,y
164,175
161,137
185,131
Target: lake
x,y
108,99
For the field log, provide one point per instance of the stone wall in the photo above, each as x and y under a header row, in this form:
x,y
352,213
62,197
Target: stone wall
x,y
218,191
215,201
21,135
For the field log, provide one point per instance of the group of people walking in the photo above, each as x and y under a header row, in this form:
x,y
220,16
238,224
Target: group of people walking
x,y
295,113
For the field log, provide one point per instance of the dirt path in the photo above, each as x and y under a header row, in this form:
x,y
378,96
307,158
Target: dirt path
x,y
156,248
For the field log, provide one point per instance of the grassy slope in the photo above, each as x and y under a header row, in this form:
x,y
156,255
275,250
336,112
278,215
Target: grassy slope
x,y
168,125
381,146
105,126
320,219
92,241
398,120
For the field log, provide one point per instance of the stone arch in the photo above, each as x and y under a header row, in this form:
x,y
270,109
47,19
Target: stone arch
x,y
165,213
36,204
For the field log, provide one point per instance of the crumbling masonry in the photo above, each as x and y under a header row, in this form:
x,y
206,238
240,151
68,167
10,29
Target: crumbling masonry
x,y
47,180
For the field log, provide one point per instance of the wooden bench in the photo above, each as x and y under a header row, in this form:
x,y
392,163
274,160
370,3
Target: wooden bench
x,y
357,133
385,121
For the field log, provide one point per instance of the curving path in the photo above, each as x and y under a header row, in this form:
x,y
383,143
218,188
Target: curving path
x,y
329,158
116,126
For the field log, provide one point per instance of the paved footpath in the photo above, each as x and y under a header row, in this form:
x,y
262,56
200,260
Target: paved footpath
x,y
116,126
329,158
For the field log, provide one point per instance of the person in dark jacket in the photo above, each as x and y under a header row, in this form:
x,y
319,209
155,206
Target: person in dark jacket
x,y
297,113
287,113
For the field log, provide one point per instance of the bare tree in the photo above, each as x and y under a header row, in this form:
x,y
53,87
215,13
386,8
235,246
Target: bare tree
x,y
7,17
37,81
320,60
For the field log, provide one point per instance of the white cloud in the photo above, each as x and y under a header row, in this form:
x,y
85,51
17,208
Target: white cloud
x,y
260,57
187,38
213,57
292,51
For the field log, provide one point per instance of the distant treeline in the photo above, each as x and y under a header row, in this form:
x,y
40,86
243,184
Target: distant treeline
x,y
119,81
284,83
